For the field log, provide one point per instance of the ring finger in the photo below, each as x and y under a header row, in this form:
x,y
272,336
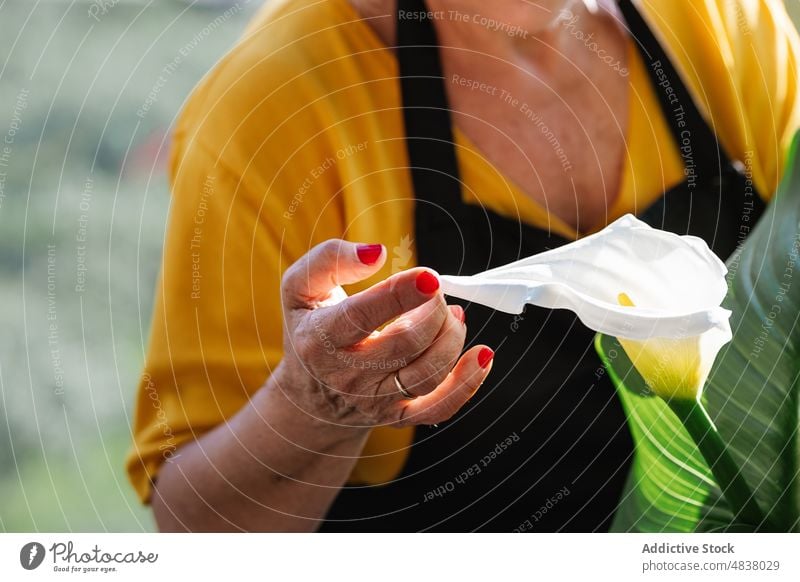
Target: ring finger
x,y
430,369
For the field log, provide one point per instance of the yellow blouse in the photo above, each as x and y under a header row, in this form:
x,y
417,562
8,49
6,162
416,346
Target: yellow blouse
x,y
296,137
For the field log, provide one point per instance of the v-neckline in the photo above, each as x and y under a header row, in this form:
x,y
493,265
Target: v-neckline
x,y
527,206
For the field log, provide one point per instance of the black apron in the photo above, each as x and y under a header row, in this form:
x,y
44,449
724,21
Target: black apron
x,y
544,445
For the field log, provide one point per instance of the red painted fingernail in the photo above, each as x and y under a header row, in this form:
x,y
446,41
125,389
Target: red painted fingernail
x,y
427,282
484,357
369,254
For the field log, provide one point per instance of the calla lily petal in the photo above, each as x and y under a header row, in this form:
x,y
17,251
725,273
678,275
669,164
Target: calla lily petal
x,y
676,282
676,368
657,292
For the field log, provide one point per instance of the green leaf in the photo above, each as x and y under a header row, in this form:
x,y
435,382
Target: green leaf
x,y
752,393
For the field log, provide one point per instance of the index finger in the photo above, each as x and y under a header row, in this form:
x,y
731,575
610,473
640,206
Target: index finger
x,y
355,318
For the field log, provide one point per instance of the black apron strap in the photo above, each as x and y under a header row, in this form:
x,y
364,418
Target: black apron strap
x,y
429,133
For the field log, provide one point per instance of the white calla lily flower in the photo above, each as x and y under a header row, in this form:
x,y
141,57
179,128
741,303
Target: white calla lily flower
x,y
657,292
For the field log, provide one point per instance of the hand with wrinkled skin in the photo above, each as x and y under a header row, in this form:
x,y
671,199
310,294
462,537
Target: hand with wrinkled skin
x,y
342,368
279,462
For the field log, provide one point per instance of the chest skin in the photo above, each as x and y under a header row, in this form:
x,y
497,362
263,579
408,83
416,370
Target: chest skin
x,y
556,129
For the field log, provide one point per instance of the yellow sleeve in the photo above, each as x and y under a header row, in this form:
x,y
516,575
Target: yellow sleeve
x,y
205,355
740,59
277,150
240,215
766,77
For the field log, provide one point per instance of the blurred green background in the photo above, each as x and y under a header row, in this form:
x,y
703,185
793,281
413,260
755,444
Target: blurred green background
x,y
88,91
87,98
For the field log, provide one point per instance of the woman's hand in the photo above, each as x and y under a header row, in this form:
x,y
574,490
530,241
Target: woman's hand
x,y
279,462
338,368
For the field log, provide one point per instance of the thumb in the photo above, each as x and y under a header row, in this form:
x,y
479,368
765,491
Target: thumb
x,y
328,265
